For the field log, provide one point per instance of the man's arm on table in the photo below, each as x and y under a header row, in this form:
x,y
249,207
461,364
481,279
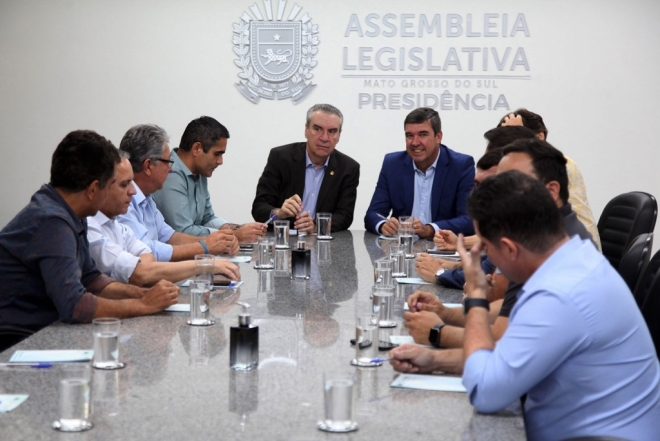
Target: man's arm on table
x,y
186,247
123,301
147,273
161,248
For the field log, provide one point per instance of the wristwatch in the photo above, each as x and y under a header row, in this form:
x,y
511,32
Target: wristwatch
x,y
434,335
439,272
475,303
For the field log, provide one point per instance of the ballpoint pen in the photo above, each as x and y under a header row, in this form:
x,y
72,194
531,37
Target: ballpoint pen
x,y
32,365
379,360
271,219
381,216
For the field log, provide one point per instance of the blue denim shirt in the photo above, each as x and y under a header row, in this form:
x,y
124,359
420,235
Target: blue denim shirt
x,y
46,271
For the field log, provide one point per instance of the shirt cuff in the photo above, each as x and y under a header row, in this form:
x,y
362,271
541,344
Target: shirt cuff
x,y
97,285
473,371
162,251
435,227
85,308
378,226
124,267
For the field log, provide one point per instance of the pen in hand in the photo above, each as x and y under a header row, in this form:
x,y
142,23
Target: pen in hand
x,y
270,220
381,216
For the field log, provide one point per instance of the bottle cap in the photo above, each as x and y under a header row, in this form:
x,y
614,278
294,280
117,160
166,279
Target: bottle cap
x,y
244,318
300,245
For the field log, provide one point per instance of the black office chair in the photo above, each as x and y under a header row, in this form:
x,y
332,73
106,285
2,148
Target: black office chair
x,y
636,258
10,335
649,294
624,218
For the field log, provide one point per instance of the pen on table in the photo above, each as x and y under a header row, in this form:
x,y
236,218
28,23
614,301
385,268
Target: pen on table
x,y
32,365
271,219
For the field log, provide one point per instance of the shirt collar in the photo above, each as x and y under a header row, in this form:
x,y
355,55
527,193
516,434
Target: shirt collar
x,y
308,162
138,197
432,167
178,163
101,218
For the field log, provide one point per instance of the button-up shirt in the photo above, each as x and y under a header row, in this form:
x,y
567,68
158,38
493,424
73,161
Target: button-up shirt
x,y
148,225
313,181
578,345
114,247
185,201
46,272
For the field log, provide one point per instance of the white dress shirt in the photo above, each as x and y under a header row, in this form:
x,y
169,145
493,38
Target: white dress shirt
x,y
114,247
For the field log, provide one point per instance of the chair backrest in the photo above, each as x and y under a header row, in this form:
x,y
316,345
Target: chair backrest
x,y
636,258
651,302
646,282
624,218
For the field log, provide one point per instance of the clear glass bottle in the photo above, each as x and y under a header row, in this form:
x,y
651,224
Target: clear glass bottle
x,y
244,343
301,261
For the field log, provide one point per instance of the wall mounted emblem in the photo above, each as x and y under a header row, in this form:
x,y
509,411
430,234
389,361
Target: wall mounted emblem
x,y
275,56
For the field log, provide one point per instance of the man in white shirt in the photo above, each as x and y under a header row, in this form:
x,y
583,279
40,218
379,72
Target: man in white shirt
x,y
121,255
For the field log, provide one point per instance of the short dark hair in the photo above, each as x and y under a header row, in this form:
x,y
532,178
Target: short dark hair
x,y
423,114
82,157
204,129
548,162
516,206
502,136
490,159
531,120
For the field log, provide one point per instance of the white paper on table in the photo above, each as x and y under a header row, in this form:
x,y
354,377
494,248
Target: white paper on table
x,y
429,382
388,237
11,402
52,356
446,305
234,284
412,281
401,339
179,307
239,259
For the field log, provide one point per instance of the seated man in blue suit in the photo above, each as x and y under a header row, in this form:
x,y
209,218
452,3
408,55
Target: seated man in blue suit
x,y
428,181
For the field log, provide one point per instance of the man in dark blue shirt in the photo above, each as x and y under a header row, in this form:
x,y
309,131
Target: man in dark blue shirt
x,y
46,271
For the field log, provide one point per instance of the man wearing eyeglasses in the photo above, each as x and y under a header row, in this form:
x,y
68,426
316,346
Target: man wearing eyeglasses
x,y
150,157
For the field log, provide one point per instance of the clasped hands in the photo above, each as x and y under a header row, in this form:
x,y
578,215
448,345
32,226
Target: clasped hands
x,y
391,227
293,207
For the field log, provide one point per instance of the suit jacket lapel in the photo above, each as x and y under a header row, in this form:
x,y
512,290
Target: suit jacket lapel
x,y
408,178
441,170
298,170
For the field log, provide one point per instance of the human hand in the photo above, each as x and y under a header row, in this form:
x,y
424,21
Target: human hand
x,y
227,269
390,227
304,223
412,359
445,240
476,284
424,301
251,232
426,267
512,120
162,295
222,242
419,324
290,207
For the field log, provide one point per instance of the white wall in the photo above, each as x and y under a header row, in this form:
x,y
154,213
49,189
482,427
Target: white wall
x,y
107,65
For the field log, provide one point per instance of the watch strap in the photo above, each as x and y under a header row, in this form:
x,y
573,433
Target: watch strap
x,y
475,303
435,334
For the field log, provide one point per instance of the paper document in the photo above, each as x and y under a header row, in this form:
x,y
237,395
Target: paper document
x,y
233,285
179,307
240,259
11,402
429,382
412,281
56,356
388,237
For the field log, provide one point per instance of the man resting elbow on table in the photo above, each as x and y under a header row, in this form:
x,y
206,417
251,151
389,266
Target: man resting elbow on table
x,y
46,270
120,255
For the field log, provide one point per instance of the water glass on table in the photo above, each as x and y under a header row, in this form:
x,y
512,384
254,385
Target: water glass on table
x,y
74,398
383,305
398,256
383,272
281,228
204,268
366,342
106,343
265,253
405,233
323,226
200,297
339,400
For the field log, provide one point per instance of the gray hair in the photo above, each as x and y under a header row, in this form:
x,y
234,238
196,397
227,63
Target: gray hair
x,y
124,154
142,142
325,108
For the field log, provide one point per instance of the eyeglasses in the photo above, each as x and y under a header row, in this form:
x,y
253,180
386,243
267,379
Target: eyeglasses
x,y
169,162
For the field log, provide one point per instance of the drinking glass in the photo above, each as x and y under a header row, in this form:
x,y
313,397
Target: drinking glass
x,y
383,272
398,256
366,342
200,312
74,398
383,305
106,343
265,253
339,399
405,233
281,228
323,226
204,266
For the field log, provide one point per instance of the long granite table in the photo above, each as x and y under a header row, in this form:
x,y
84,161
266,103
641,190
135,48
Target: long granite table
x,y
177,383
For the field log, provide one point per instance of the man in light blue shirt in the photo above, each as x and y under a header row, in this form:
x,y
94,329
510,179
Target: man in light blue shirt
x,y
576,342
149,150
184,200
